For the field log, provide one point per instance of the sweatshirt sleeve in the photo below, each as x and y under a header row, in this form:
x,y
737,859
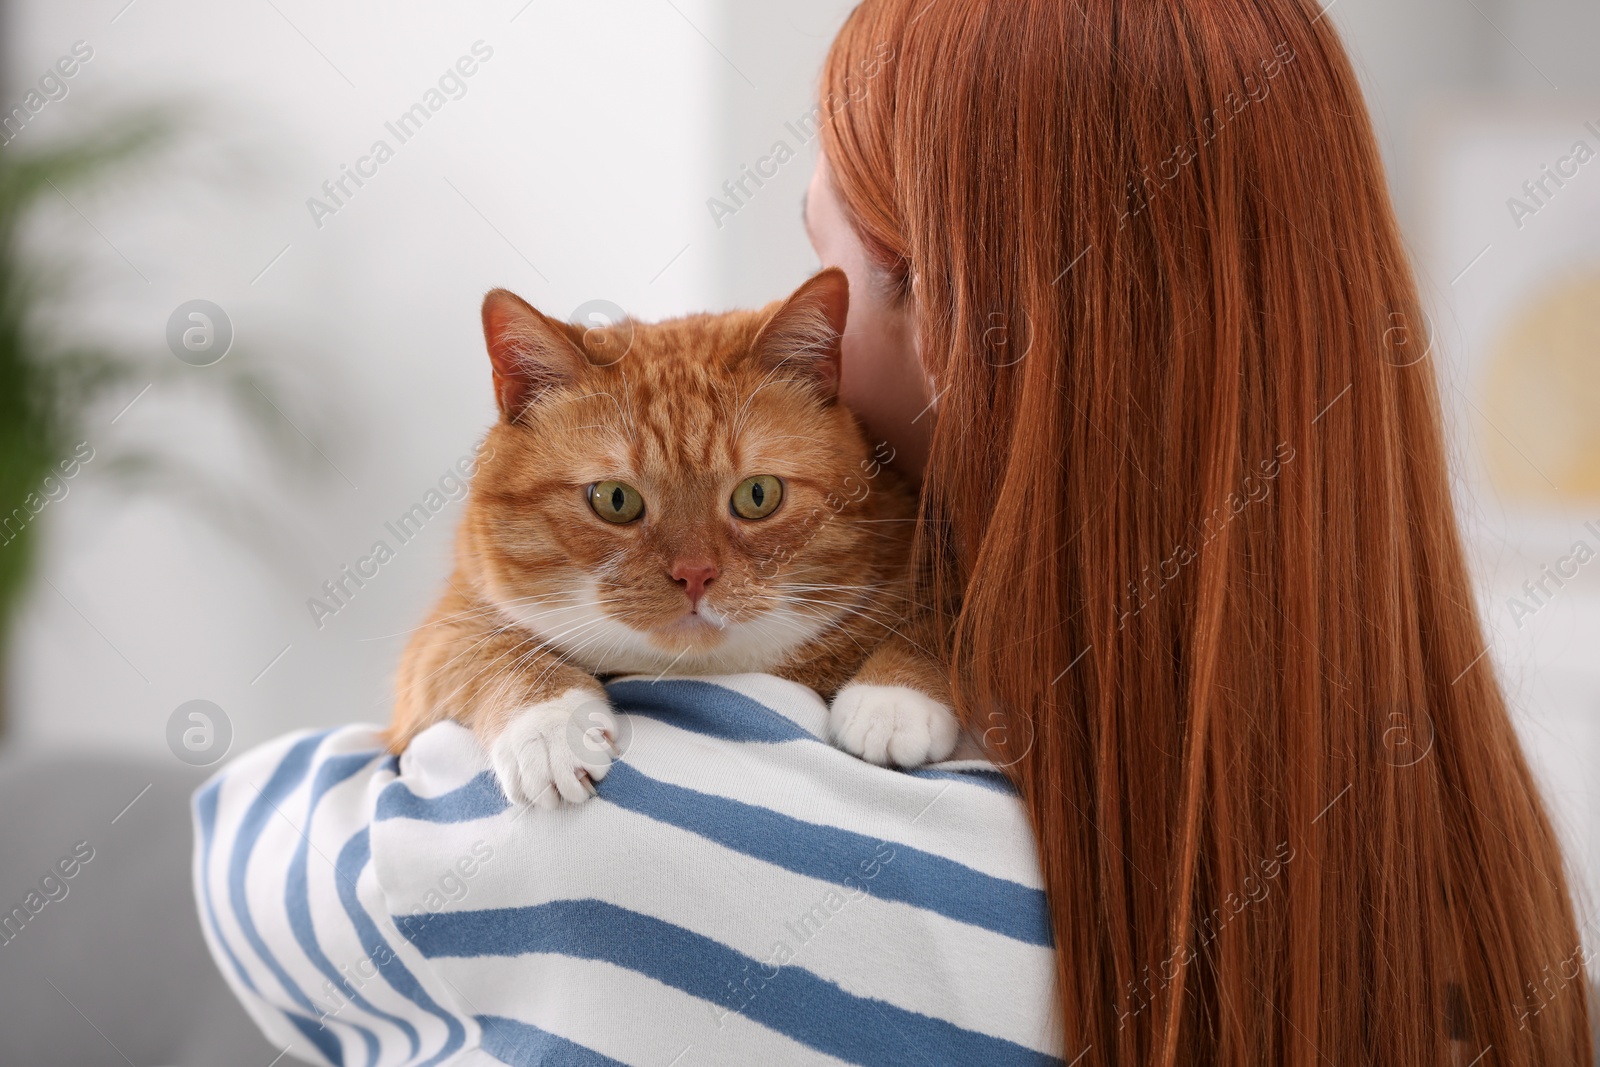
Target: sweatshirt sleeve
x,y
738,892
295,916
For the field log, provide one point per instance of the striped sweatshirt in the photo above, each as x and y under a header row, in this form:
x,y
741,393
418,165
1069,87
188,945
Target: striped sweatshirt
x,y
739,892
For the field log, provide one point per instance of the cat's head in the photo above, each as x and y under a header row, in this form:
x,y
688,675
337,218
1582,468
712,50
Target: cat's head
x,y
687,494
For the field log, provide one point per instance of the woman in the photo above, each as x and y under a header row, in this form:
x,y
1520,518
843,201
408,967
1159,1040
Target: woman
x,y
1189,475
1128,293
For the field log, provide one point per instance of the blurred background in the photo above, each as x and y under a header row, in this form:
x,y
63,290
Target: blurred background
x,y
264,329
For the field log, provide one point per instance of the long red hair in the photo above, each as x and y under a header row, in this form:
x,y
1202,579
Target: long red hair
x,y
1188,484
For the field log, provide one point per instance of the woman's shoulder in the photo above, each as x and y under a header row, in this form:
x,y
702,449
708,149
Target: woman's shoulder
x,y
732,866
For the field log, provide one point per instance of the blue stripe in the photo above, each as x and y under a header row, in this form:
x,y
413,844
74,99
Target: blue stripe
x,y
524,1045
478,799
994,780
297,904
353,859
842,857
318,1035
289,773
205,807
788,999
707,709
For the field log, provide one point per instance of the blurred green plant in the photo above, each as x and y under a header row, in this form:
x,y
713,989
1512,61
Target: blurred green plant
x,y
51,380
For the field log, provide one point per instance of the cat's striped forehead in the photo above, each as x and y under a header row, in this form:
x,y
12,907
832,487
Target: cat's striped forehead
x,y
684,396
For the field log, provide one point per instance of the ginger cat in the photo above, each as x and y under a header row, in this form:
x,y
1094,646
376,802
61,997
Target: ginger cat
x,y
689,497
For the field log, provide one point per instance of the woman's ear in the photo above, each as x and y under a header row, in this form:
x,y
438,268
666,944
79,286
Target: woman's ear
x,y
802,337
531,353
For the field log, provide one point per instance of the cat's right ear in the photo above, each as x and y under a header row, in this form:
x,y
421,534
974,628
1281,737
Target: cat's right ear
x,y
803,336
531,353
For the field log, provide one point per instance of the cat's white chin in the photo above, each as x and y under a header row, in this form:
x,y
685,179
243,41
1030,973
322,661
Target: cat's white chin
x,y
692,626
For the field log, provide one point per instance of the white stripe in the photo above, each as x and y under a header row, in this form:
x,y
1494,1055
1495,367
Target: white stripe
x,y
235,800
335,823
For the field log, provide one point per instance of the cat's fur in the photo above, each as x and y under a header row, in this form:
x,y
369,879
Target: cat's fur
x,y
547,595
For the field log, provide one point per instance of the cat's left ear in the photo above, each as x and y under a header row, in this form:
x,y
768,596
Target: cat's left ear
x,y
531,353
803,335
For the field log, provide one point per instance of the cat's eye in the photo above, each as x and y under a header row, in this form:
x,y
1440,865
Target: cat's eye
x,y
757,497
616,502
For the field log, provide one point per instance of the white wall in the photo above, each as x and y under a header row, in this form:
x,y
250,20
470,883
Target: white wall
x,y
572,168
778,47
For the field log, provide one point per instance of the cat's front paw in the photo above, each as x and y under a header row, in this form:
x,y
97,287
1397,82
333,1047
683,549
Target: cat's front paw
x,y
553,751
886,724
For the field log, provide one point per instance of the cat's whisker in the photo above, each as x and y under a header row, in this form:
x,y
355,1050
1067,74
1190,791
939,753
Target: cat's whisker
x,y
803,597
833,622
493,664
501,682
522,621
556,640
738,421
481,640
613,398
821,587
471,649
478,612
489,609
789,437
627,392
861,613
560,657
532,644
671,665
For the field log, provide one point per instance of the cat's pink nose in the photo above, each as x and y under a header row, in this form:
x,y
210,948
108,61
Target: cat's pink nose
x,y
694,575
